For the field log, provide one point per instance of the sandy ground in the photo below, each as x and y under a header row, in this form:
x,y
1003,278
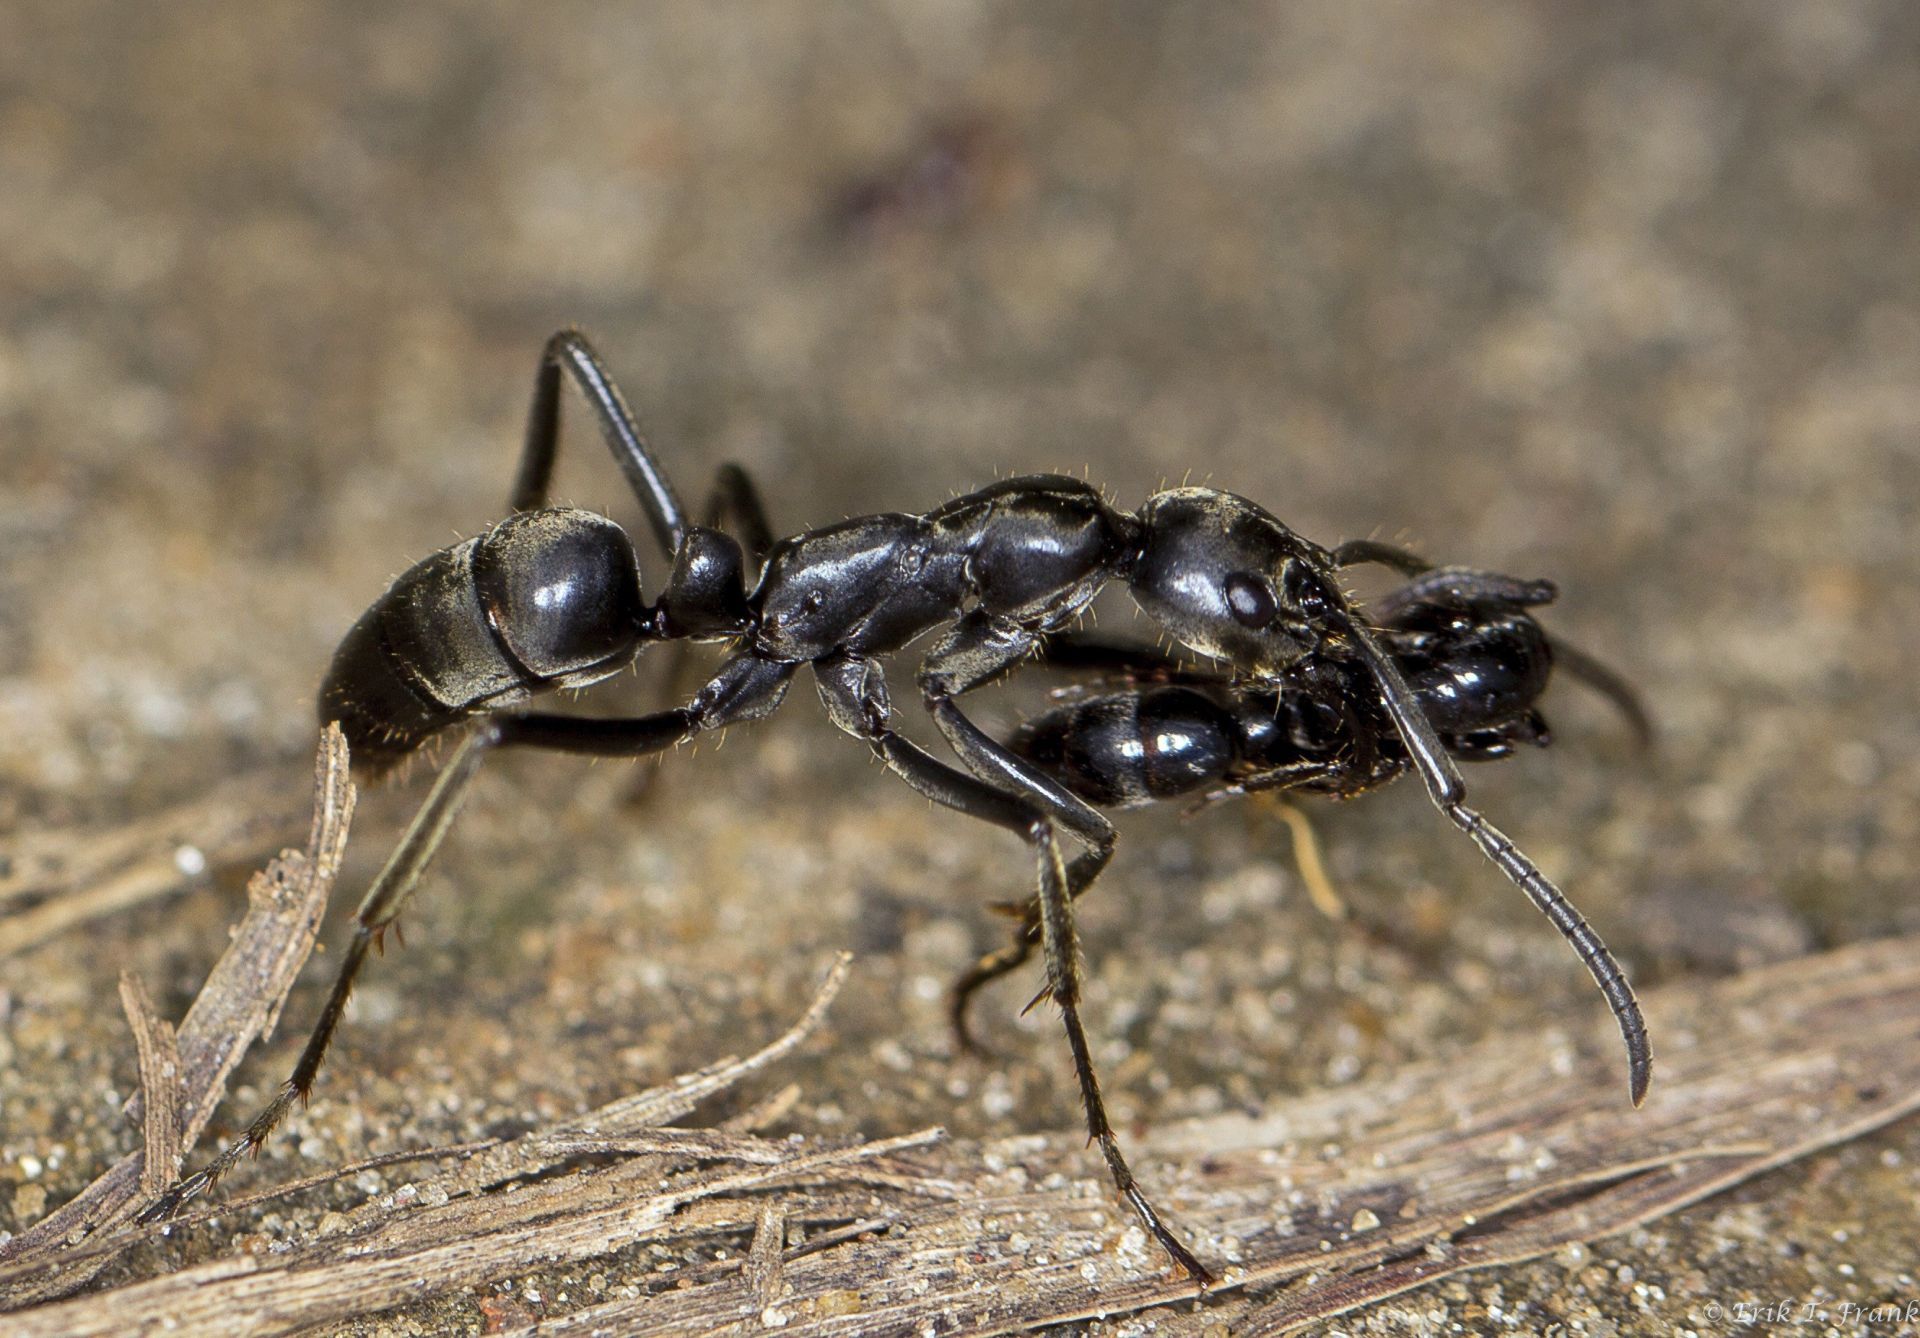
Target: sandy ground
x,y
1624,296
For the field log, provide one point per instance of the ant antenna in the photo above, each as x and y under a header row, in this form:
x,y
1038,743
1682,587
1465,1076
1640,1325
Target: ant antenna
x,y
1448,793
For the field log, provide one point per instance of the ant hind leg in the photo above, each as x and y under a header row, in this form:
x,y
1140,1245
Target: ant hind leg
x,y
743,689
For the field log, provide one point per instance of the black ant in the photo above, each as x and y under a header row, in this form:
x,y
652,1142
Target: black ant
x,y
551,598
1151,729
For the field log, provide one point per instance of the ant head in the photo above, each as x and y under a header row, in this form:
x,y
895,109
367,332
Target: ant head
x,y
1478,665
1228,580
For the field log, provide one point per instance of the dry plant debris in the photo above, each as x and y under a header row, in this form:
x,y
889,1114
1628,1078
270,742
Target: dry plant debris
x,y
1312,1207
53,881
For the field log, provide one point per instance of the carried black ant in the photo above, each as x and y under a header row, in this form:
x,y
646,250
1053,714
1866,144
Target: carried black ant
x,y
1150,729
551,598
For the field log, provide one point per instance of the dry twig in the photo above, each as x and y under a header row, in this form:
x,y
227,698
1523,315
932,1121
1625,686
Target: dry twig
x,y
159,1086
240,1001
64,878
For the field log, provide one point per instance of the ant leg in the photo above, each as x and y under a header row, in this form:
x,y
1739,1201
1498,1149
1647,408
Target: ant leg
x,y
1062,947
984,972
994,764
734,496
1461,583
855,695
1320,775
1443,583
1357,551
570,352
1001,962
1464,587
978,650
1447,791
1608,684
382,902
1306,858
1140,664
744,689
975,652
854,691
1430,584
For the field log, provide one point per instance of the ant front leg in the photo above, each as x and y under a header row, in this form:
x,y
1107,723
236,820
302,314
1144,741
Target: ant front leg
x,y
1354,552
1062,945
978,650
744,689
1113,659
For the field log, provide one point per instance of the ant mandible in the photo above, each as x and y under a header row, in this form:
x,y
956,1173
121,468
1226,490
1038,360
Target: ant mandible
x,y
551,598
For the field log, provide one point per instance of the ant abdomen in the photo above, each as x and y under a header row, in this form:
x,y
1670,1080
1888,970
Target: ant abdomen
x,y
1134,747
546,599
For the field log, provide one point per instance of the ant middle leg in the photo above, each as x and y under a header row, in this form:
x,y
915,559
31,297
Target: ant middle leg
x,y
1002,962
744,689
733,497
1609,684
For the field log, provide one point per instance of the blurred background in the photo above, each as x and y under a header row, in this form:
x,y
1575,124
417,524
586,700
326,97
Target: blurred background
x,y
1627,296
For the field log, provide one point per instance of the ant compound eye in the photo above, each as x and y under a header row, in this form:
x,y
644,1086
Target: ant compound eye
x,y
1250,600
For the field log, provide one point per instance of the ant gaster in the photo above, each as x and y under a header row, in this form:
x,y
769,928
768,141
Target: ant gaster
x,y
552,598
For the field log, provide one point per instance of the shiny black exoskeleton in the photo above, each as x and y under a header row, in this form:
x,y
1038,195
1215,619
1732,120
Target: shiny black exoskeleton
x,y
1150,729
1475,659
544,600
552,598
